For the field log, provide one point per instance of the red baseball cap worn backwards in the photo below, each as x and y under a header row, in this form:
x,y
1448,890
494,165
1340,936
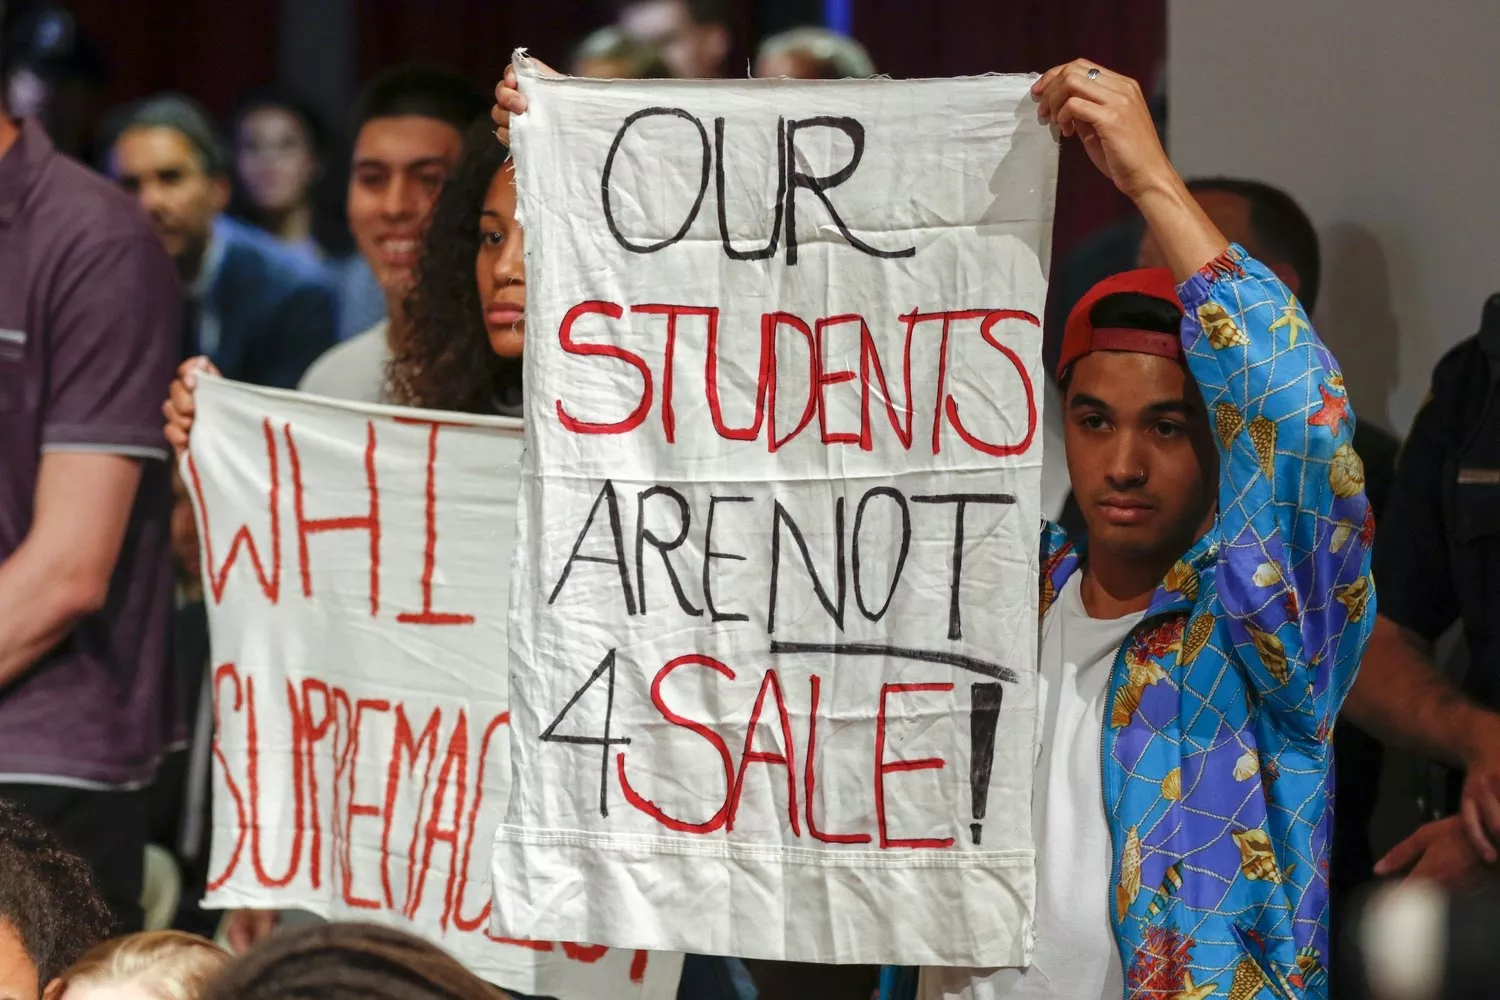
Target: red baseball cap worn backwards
x,y
1081,337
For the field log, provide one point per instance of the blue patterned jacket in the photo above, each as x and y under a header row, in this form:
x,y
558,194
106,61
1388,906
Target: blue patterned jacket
x,y
1216,754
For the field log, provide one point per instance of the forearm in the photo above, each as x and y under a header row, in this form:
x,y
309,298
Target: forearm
x,y
61,572
1402,698
40,603
1188,239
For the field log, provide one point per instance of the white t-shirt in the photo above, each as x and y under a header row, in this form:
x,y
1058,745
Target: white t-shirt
x,y
354,370
1075,956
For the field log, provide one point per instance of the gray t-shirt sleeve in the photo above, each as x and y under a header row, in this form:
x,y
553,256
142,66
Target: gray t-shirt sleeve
x,y
112,348
354,370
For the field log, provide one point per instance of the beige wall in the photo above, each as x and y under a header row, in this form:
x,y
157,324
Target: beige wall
x,y
1383,118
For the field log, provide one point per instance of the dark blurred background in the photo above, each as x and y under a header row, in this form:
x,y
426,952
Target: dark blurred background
x,y
324,49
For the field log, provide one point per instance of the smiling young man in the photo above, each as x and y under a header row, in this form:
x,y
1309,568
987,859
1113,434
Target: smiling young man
x,y
409,125
1194,657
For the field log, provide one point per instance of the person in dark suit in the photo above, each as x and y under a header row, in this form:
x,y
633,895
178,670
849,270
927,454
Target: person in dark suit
x,y
258,310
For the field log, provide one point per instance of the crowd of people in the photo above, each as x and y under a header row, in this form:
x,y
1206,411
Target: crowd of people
x,y
1199,437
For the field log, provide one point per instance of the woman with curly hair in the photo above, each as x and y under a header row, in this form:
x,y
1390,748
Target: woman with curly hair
x,y
462,348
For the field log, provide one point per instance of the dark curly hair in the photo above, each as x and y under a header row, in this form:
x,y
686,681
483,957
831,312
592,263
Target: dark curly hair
x,y
348,961
48,895
444,360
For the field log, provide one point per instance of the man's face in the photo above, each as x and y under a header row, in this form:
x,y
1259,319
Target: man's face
x,y
162,169
399,167
691,51
1230,212
18,975
1141,454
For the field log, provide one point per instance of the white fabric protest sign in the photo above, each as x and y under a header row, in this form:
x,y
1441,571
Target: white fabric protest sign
x,y
773,676
355,563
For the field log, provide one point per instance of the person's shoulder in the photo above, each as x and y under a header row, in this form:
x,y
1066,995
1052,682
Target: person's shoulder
x,y
352,360
278,269
370,343
78,209
1462,359
1461,382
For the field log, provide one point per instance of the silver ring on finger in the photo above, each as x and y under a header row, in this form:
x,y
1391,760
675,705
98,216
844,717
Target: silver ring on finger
x,y
1094,73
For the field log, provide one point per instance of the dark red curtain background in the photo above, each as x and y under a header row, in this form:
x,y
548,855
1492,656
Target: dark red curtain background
x,y
937,38
215,51
946,38
476,37
210,51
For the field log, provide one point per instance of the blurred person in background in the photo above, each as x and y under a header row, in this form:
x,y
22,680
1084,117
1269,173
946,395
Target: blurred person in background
x,y
610,54
151,965
89,321
286,183
348,961
812,54
55,74
461,350
51,912
259,310
692,35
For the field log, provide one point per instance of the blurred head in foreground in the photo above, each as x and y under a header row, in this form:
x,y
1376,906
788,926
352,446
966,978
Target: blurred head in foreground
x,y
610,54
812,54
691,35
348,962
153,965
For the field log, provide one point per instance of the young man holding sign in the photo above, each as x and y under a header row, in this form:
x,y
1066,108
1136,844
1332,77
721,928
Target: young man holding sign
x,y
1193,661
1208,637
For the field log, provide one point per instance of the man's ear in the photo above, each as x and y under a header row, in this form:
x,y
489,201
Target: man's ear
x,y
1288,277
53,990
220,186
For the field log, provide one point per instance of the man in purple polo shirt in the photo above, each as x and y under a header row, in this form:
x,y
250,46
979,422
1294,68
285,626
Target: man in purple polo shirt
x,y
89,322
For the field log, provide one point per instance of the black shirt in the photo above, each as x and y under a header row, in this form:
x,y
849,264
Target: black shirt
x,y
1437,551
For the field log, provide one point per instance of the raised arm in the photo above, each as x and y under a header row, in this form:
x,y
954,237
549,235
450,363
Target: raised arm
x,y
1295,564
1294,567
